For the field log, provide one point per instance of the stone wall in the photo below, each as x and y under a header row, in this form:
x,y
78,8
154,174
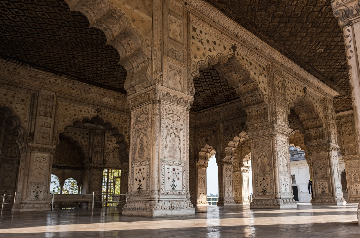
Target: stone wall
x,y
46,105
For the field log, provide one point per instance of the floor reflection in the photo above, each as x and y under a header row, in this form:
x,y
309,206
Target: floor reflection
x,y
211,221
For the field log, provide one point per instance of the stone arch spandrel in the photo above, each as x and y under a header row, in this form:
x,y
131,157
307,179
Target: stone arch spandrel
x,y
297,91
108,16
249,78
69,152
210,46
67,113
310,118
238,148
19,103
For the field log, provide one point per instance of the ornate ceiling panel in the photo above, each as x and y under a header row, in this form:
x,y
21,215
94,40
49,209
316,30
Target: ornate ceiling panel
x,y
211,90
304,30
45,34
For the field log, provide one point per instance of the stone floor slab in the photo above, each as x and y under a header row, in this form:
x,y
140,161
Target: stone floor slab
x,y
229,221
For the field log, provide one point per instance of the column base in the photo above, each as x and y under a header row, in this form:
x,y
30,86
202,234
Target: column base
x,y
242,202
202,201
354,200
226,202
328,201
32,206
202,205
285,203
158,209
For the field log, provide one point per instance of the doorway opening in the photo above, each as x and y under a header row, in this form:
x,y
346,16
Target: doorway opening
x,y
111,184
212,182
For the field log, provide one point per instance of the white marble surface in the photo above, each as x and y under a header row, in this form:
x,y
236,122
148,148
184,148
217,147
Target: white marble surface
x,y
212,221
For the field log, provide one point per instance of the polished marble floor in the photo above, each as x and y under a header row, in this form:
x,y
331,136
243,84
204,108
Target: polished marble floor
x,y
233,221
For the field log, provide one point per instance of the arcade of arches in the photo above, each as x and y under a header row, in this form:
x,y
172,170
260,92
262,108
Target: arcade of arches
x,y
154,89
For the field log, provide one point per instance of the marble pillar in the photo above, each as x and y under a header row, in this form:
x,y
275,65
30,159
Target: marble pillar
x,y
35,169
348,14
271,168
158,157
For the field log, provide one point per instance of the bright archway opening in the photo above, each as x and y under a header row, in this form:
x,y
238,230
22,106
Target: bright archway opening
x,y
212,182
111,187
300,175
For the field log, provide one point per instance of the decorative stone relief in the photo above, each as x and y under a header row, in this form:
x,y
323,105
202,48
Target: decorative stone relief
x,y
173,128
38,191
173,182
142,133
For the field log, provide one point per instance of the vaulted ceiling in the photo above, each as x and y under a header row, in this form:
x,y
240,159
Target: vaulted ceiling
x,y
45,34
305,31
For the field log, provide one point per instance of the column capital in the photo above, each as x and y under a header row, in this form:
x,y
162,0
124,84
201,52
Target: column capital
x,y
157,94
347,11
268,129
41,148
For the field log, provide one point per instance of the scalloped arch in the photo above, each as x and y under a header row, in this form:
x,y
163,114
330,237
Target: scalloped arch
x,y
307,111
120,34
232,150
14,125
251,89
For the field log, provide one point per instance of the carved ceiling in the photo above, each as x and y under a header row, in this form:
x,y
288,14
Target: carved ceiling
x,y
306,31
46,35
211,90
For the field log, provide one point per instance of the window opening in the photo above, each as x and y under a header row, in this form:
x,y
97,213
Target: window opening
x,y
70,187
55,187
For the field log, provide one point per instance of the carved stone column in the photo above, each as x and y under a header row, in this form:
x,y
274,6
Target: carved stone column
x,y
124,183
96,183
86,181
245,175
241,185
271,167
201,181
322,152
325,173
237,181
226,195
348,14
158,176
35,169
